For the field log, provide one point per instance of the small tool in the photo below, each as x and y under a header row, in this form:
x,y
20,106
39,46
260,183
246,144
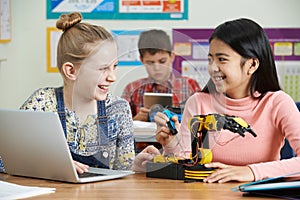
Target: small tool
x,y
170,123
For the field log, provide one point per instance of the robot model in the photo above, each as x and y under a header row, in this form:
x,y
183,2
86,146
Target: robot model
x,y
200,125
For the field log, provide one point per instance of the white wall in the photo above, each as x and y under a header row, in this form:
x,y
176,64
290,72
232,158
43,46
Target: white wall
x,y
25,68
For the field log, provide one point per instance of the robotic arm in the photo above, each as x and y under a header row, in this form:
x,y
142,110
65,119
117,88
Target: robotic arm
x,y
199,125
217,122
193,169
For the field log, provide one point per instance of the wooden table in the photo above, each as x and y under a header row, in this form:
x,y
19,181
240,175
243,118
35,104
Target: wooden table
x,y
136,186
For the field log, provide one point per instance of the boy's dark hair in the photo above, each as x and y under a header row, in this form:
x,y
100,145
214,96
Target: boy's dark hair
x,y
153,41
249,40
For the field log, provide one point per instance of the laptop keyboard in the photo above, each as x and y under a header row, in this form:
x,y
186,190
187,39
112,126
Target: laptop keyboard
x,y
89,174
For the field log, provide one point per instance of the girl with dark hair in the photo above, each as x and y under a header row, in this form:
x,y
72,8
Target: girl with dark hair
x,y
243,83
249,40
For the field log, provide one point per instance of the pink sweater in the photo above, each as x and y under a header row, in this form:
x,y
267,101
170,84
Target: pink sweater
x,y
272,118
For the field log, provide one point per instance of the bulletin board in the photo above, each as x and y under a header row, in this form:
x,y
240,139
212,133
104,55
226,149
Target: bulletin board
x,y
121,9
191,47
127,41
5,21
53,35
285,43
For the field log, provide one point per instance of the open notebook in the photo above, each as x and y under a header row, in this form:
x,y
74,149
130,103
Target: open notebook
x,y
33,144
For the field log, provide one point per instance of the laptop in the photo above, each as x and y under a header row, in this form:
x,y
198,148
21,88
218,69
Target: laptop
x,y
33,144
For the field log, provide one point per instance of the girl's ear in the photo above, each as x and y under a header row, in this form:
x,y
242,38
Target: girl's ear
x,y
253,65
69,71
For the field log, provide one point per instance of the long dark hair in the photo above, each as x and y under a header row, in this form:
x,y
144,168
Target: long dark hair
x,y
249,40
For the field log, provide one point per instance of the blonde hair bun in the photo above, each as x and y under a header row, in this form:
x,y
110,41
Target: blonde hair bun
x,y
66,21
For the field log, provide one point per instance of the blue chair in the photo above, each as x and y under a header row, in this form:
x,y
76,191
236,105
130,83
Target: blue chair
x,y
298,105
287,151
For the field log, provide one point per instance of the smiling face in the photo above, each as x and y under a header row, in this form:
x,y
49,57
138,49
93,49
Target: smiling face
x,y
159,65
228,70
97,72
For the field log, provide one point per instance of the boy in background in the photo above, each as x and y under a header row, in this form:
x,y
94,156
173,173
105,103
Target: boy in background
x,y
157,56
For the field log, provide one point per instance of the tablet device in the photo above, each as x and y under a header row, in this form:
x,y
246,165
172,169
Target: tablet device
x,y
164,99
287,186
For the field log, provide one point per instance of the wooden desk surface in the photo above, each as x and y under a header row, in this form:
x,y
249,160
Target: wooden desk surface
x,y
136,186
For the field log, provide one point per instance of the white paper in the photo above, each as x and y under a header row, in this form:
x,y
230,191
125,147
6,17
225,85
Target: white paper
x,y
144,131
140,126
15,191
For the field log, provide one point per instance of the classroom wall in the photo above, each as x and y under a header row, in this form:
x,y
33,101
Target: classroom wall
x,y
25,67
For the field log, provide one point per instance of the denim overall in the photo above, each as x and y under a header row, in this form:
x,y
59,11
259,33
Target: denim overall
x,y
100,159
2,169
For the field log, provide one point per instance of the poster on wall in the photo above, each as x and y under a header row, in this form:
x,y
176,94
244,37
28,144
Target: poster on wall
x,y
191,47
127,41
53,35
121,9
285,43
5,21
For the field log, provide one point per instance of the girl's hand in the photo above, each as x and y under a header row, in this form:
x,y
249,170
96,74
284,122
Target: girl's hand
x,y
225,173
139,164
163,134
80,168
